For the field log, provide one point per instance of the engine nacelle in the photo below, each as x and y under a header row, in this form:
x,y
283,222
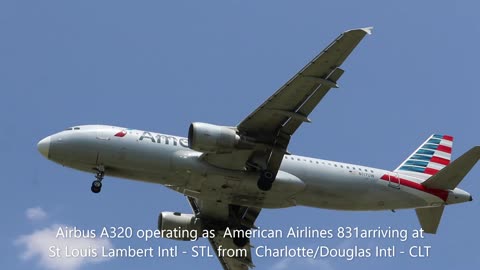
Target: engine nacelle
x,y
210,138
178,226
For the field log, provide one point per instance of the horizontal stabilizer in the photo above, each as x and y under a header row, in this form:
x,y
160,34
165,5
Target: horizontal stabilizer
x,y
430,218
450,176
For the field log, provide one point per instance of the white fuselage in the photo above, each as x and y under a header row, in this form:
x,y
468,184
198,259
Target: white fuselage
x,y
167,160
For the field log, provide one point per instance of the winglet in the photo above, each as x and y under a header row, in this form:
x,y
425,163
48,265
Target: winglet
x,y
368,30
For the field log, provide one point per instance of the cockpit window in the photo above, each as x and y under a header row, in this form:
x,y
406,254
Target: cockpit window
x,y
73,128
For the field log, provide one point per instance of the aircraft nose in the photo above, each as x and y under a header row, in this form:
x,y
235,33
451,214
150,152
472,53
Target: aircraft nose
x,y
44,146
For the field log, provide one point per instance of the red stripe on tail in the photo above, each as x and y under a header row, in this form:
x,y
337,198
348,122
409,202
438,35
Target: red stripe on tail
x,y
448,138
430,171
440,160
446,149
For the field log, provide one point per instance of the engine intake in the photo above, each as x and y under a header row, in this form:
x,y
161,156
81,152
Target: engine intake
x,y
178,226
210,138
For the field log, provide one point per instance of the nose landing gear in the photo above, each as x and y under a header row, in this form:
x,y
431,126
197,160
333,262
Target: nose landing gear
x,y
97,184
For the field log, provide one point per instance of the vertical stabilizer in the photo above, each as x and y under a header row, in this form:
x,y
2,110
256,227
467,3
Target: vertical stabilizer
x,y
432,156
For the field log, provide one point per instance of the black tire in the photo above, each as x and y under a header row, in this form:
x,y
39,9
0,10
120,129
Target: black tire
x,y
240,242
266,180
97,184
264,185
268,176
95,189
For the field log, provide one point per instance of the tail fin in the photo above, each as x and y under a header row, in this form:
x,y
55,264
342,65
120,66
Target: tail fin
x,y
447,179
432,156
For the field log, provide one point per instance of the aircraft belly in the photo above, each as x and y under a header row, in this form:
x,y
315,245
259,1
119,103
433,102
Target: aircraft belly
x,y
344,199
343,190
200,180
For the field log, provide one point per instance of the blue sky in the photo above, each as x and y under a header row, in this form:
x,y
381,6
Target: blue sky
x,y
158,65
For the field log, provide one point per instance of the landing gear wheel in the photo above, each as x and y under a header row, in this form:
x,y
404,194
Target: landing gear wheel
x,y
240,241
96,186
266,180
95,189
264,185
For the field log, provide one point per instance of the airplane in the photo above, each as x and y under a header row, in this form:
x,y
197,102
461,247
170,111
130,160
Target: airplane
x,y
229,173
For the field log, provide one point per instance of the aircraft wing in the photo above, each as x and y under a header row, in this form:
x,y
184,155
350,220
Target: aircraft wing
x,y
276,120
219,216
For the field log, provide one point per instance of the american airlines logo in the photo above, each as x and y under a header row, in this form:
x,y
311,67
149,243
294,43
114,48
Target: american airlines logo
x,y
163,139
121,134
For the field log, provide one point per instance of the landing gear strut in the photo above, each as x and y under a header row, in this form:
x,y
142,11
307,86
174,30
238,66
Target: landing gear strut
x,y
97,184
266,180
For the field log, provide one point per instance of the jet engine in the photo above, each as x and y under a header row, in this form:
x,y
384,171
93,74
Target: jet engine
x,y
210,138
178,226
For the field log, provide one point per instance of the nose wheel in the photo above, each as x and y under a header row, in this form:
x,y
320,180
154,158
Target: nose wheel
x,y
97,184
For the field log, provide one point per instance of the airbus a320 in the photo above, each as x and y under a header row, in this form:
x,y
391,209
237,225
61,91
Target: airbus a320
x,y
229,173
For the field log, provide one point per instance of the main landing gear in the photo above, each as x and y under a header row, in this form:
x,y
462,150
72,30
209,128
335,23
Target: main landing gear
x,y
97,184
241,241
266,180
